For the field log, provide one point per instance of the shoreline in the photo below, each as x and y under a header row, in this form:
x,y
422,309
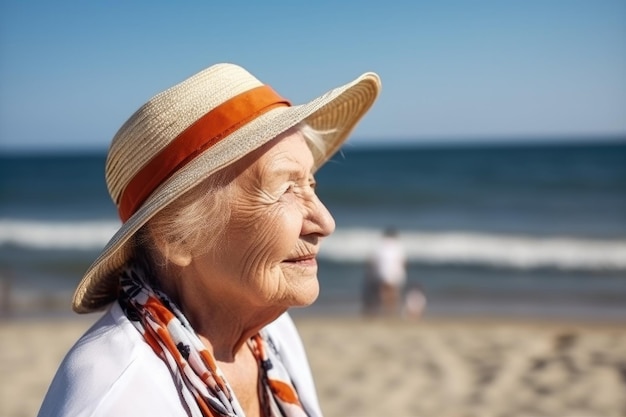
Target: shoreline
x,y
52,308
299,315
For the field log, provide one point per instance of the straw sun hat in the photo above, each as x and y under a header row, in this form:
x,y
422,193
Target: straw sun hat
x,y
193,129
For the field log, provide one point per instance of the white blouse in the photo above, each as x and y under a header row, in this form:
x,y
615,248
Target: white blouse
x,y
112,371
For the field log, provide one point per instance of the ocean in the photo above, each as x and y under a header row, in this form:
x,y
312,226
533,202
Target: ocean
x,y
533,230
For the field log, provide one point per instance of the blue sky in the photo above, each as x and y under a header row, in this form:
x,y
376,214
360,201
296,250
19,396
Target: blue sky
x,y
71,72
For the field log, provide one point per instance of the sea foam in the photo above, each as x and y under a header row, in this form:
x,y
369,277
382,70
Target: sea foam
x,y
80,235
355,245
494,250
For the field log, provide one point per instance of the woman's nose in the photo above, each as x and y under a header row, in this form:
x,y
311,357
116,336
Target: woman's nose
x,y
319,220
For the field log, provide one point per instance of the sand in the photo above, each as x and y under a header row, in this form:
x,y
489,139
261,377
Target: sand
x,y
391,367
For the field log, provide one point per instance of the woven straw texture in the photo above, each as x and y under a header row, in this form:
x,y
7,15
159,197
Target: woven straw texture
x,y
155,124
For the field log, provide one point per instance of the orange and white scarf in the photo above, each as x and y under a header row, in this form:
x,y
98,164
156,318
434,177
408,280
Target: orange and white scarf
x,y
202,386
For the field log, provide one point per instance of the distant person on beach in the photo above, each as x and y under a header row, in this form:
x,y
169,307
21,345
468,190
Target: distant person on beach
x,y
214,182
386,275
414,302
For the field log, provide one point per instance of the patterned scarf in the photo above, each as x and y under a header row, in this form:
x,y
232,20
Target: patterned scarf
x,y
202,385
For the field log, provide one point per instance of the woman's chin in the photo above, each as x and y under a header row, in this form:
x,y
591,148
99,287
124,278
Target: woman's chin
x,y
305,294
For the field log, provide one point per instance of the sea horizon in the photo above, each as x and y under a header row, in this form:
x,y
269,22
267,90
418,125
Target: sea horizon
x,y
371,143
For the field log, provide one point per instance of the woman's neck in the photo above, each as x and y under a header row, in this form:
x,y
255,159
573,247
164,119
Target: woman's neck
x,y
224,329
223,323
221,318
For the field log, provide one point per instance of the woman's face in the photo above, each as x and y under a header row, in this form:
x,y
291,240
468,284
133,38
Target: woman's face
x,y
267,256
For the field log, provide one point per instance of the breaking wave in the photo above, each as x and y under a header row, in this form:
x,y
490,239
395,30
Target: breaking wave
x,y
85,235
354,245
465,248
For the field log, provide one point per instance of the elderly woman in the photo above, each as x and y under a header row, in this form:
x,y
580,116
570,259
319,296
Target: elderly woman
x,y
213,180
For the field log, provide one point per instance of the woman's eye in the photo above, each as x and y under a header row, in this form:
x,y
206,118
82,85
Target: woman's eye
x,y
296,187
289,188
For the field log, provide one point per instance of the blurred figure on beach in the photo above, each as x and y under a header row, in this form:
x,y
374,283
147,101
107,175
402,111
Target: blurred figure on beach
x,y
385,277
414,302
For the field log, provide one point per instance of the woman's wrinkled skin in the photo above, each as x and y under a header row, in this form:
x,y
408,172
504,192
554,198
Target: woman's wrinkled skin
x,y
266,260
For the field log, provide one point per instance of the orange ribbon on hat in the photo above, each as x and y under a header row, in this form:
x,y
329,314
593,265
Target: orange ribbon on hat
x,y
201,135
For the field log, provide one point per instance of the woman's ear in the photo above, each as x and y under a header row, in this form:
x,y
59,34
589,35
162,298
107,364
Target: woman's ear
x,y
180,256
176,253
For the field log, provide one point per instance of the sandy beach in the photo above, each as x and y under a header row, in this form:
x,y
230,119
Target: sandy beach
x,y
388,367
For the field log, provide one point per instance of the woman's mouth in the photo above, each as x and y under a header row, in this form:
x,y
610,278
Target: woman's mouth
x,y
308,260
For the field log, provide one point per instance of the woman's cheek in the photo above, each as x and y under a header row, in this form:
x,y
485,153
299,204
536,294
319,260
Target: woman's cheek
x,y
281,230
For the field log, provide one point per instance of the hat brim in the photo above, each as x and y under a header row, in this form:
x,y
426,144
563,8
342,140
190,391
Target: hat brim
x,y
337,111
